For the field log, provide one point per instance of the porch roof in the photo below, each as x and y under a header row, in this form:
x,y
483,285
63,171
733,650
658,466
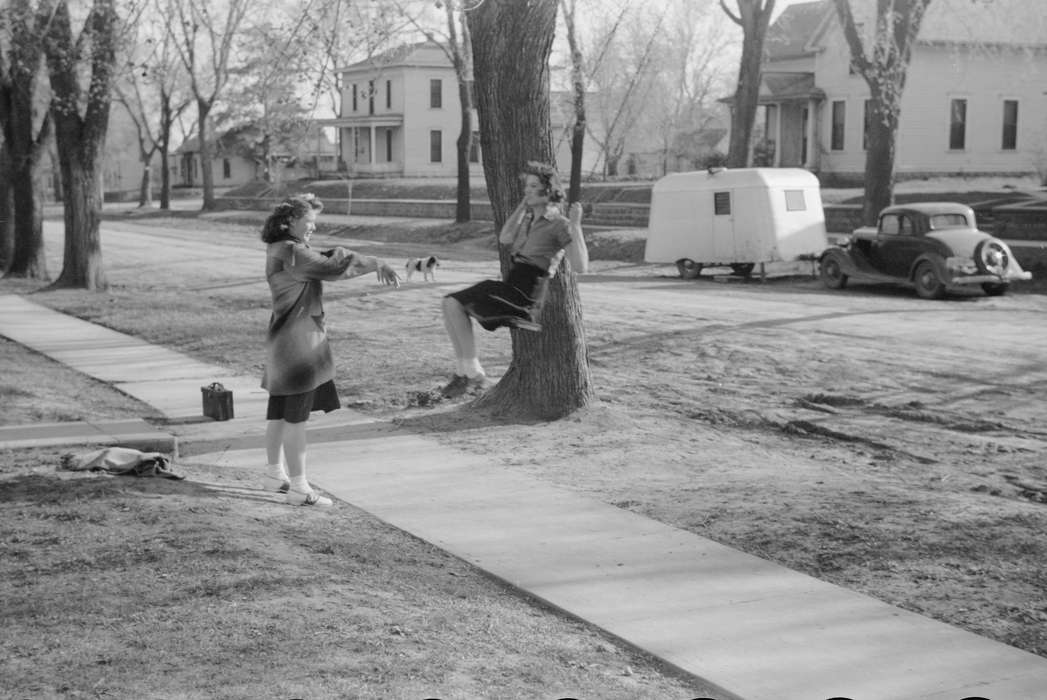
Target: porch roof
x,y
368,121
785,87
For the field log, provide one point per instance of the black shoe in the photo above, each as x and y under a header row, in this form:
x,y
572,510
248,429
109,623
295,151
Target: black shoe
x,y
458,385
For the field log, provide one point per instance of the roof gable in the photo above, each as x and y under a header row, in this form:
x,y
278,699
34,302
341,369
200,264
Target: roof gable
x,y
791,33
423,53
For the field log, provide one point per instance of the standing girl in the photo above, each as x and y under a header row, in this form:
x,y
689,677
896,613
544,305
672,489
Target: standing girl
x,y
299,368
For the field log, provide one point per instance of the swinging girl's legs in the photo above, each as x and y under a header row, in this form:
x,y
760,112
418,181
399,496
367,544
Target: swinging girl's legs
x,y
460,329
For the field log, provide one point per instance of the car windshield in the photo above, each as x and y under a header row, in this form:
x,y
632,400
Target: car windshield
x,y
939,221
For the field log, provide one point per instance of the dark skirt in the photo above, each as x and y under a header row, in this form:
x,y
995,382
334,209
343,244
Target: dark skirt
x,y
494,303
295,408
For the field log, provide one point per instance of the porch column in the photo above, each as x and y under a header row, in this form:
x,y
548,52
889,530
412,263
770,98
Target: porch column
x,y
810,158
779,111
370,155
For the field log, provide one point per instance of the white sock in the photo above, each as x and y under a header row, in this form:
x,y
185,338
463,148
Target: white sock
x,y
299,484
277,471
470,368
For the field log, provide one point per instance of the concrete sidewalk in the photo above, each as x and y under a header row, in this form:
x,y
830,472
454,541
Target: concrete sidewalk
x,y
751,628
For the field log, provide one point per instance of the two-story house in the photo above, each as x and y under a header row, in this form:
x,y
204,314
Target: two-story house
x,y
401,116
974,103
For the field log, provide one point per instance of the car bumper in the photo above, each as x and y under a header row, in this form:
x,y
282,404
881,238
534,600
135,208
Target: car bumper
x,y
990,279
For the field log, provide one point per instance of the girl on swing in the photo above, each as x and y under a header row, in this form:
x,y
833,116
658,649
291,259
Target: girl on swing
x,y
538,236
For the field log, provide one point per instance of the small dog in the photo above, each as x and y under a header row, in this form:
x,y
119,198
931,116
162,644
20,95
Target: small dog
x,y
427,266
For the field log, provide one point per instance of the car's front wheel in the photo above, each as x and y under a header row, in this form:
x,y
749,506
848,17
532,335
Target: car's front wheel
x,y
994,289
928,284
832,273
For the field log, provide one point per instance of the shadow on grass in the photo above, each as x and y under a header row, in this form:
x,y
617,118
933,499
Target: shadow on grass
x,y
71,488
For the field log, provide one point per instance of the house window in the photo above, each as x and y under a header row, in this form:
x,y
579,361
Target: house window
x,y
370,97
227,169
389,145
436,147
794,200
436,93
1010,125
722,203
354,97
866,123
839,117
957,125
474,148
388,94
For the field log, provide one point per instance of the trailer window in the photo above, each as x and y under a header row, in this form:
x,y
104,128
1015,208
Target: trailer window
x,y
794,200
722,203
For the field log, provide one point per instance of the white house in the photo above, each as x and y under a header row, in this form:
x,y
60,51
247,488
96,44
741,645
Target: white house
x,y
236,158
401,116
974,103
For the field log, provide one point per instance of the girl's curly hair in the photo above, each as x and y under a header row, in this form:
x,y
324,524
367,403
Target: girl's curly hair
x,y
549,178
278,226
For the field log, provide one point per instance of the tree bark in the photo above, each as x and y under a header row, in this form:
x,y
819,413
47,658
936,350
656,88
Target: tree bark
x,y
7,209
203,108
879,163
884,67
166,122
82,264
463,206
549,375
26,133
145,191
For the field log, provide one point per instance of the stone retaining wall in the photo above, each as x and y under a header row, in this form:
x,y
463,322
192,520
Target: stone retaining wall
x,y
1026,221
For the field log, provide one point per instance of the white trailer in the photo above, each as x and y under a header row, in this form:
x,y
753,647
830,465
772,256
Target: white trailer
x,y
735,218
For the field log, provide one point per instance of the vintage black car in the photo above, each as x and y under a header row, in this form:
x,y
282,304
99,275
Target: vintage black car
x,y
932,245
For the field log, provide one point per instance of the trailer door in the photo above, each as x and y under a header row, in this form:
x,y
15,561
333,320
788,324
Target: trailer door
x,y
723,227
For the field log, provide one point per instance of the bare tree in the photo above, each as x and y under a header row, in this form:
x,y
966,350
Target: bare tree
x,y
623,74
25,120
204,39
549,375
153,91
689,78
753,17
81,70
263,94
884,65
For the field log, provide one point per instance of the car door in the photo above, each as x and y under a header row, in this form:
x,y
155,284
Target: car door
x,y
899,245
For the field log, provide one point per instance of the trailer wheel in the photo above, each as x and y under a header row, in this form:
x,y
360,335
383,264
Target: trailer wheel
x,y
743,269
688,268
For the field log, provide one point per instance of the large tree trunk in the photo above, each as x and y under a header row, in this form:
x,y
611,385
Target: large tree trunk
x,y
206,172
27,256
82,265
166,123
879,162
7,210
549,374
26,134
145,191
